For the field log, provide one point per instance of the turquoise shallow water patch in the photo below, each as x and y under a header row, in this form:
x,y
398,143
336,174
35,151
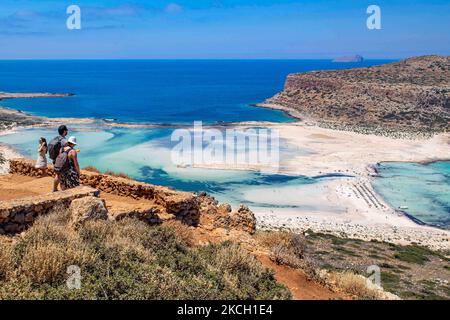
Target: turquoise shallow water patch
x,y
423,191
145,155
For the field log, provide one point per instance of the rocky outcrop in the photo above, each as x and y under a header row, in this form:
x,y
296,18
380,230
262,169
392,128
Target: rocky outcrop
x,y
412,95
17,215
87,208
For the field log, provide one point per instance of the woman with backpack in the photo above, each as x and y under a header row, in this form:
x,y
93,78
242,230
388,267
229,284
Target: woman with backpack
x,y
54,149
41,162
67,165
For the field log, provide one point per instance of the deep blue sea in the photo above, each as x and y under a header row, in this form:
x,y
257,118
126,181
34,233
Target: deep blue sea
x,y
158,91
183,92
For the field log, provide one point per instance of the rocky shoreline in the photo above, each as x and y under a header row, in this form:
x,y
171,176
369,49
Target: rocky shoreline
x,y
28,95
430,237
401,99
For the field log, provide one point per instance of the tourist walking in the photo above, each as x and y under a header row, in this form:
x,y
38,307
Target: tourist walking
x,y
41,162
67,167
54,149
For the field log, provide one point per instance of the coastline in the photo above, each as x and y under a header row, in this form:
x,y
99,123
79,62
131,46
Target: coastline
x,y
361,219
366,217
29,95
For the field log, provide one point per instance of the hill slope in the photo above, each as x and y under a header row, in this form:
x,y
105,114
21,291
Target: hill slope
x,y
410,95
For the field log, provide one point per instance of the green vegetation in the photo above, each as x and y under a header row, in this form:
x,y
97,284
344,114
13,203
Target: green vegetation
x,y
390,281
127,260
413,254
402,267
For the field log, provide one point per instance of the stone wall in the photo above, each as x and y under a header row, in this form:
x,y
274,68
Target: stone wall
x,y
17,215
192,209
176,202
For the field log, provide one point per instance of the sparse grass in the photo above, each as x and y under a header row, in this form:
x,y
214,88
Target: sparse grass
x,y
390,281
5,257
285,248
420,296
181,230
91,169
128,260
117,174
345,251
108,172
413,254
355,285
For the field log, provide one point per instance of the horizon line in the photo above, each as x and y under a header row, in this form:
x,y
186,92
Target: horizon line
x,y
191,59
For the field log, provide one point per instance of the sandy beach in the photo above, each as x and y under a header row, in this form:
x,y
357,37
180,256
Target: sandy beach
x,y
7,153
354,209
349,206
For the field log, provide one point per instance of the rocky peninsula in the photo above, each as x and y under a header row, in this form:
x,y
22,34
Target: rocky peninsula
x,y
396,99
27,95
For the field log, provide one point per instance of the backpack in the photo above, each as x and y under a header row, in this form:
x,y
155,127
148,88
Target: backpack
x,y
55,147
62,162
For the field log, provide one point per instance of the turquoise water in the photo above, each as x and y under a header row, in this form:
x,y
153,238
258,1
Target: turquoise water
x,y
145,154
423,189
187,91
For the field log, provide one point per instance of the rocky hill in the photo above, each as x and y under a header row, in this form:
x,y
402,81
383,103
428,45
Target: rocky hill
x,y
411,95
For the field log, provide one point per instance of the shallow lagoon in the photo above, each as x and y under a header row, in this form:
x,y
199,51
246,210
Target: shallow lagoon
x,y
145,155
422,190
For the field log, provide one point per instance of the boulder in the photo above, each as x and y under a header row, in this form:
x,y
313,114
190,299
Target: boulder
x,y
87,208
244,219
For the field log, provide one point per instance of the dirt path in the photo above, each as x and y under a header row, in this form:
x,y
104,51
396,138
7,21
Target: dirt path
x,y
300,286
17,187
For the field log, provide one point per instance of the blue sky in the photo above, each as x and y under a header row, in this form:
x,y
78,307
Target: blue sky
x,y
215,29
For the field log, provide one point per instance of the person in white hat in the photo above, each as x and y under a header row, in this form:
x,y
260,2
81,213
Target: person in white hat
x,y
70,176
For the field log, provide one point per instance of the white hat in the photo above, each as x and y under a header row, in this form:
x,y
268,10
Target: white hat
x,y
72,140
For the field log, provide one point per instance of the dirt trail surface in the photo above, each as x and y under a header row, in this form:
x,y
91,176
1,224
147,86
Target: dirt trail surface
x,y
298,283
17,187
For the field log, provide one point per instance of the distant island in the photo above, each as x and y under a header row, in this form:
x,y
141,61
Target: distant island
x,y
409,96
8,95
355,58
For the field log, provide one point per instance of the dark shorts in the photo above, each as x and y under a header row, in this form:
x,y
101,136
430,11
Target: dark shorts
x,y
69,179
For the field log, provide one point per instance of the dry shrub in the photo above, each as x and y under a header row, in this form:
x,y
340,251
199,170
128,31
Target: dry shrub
x,y
270,239
108,172
232,258
48,262
355,285
91,169
5,257
118,174
127,242
50,228
285,248
182,231
129,260
49,247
